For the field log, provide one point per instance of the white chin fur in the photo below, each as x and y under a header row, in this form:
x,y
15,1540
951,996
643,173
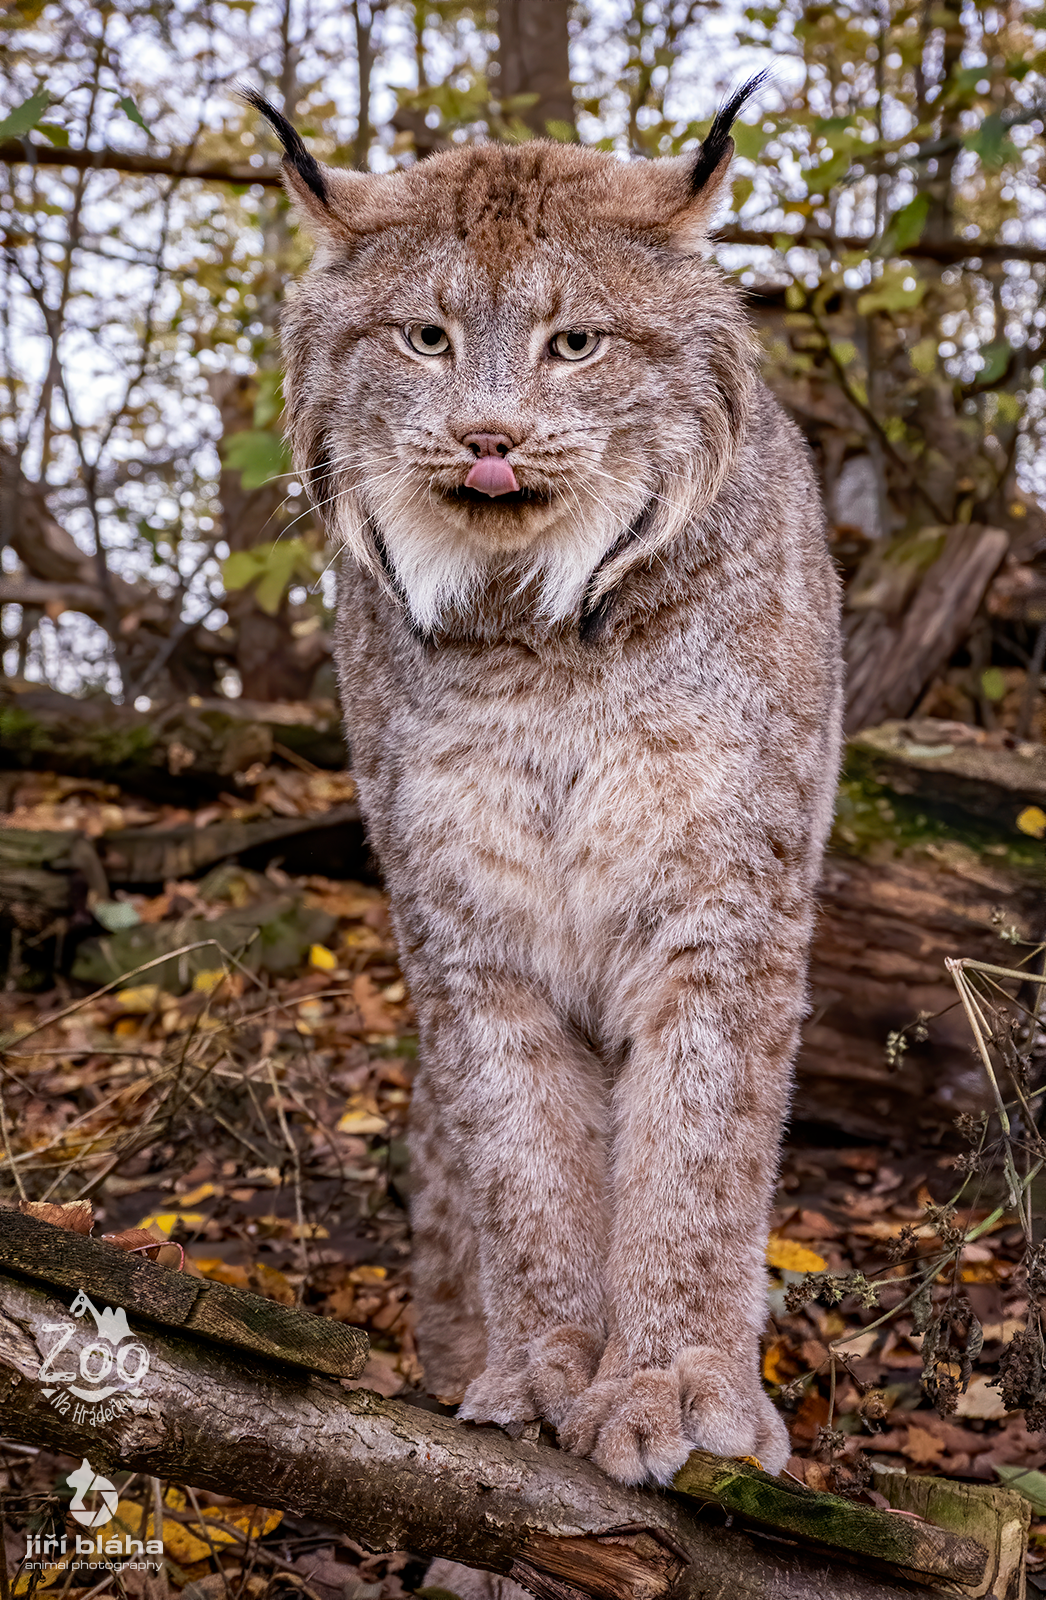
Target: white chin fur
x,y
441,569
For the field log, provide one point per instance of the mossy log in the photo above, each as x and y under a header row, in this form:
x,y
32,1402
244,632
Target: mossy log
x,y
169,753
907,885
395,1477
235,1317
949,764
913,1549
996,1517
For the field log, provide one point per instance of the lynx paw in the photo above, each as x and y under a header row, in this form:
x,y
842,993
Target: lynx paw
x,y
644,1426
542,1379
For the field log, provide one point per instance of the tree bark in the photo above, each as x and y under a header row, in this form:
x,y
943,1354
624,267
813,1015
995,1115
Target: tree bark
x,y
395,1477
273,664
908,609
533,59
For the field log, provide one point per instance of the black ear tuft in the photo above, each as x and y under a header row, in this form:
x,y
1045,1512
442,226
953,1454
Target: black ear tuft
x,y
716,140
294,151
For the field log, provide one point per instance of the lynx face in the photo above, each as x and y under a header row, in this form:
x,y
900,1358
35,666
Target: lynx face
x,y
504,357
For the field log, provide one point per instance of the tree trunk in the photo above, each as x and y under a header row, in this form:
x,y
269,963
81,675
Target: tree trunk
x,y
908,610
533,59
272,663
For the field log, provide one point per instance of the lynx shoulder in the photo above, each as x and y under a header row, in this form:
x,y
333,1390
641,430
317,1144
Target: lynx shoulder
x,y
589,658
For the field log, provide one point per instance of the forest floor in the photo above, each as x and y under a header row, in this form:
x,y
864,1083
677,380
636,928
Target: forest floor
x,y
252,1112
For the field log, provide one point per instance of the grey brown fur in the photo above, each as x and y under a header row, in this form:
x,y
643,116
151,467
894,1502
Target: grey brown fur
x,y
595,729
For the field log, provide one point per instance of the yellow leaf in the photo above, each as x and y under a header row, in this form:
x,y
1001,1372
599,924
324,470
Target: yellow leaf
x,y
255,1521
320,956
1032,820
788,1255
182,1545
206,982
362,1122
203,1191
221,1271
126,1028
368,1275
141,999
292,1230
776,1366
167,1221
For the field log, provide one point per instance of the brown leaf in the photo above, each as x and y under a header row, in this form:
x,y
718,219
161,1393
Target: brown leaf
x,y
76,1217
372,1007
133,1239
922,1447
813,1225
817,1477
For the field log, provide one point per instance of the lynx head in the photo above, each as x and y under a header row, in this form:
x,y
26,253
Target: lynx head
x,y
513,359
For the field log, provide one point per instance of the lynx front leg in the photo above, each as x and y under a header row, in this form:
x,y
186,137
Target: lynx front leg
x,y
521,1107
699,1107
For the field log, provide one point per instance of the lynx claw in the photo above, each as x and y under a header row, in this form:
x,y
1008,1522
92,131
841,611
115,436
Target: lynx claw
x,y
644,1426
540,1379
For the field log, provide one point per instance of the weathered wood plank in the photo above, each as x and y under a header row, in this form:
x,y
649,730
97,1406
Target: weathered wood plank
x,y
915,1549
996,1517
229,1316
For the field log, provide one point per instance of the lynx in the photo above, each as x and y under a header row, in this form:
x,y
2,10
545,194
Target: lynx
x,y
587,641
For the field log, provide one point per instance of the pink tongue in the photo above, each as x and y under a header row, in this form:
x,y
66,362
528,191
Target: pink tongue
x,y
491,475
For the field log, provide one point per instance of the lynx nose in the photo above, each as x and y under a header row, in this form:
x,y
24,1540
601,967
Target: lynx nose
x,y
491,474
488,444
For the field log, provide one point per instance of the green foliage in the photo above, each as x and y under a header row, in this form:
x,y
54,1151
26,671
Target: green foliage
x,y
128,107
272,568
906,226
993,682
25,117
258,455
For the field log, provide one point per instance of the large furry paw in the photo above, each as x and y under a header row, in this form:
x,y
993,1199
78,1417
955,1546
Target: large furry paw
x,y
542,1379
644,1426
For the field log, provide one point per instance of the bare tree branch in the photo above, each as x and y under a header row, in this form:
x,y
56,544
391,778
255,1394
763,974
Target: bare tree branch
x,y
945,251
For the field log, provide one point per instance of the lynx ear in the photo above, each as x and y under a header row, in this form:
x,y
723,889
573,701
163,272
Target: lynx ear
x,y
707,173
338,204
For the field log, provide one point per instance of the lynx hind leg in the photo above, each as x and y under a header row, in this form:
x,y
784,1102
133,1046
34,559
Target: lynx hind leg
x,y
468,1584
452,1344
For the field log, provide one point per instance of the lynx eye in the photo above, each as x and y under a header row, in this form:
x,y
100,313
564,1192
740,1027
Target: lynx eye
x,y
573,345
426,338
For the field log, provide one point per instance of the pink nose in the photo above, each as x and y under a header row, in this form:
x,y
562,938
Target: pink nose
x,y
491,474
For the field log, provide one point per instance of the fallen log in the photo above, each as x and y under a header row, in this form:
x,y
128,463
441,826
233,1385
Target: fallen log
x,y
908,609
169,753
519,1508
393,1477
951,764
218,1311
